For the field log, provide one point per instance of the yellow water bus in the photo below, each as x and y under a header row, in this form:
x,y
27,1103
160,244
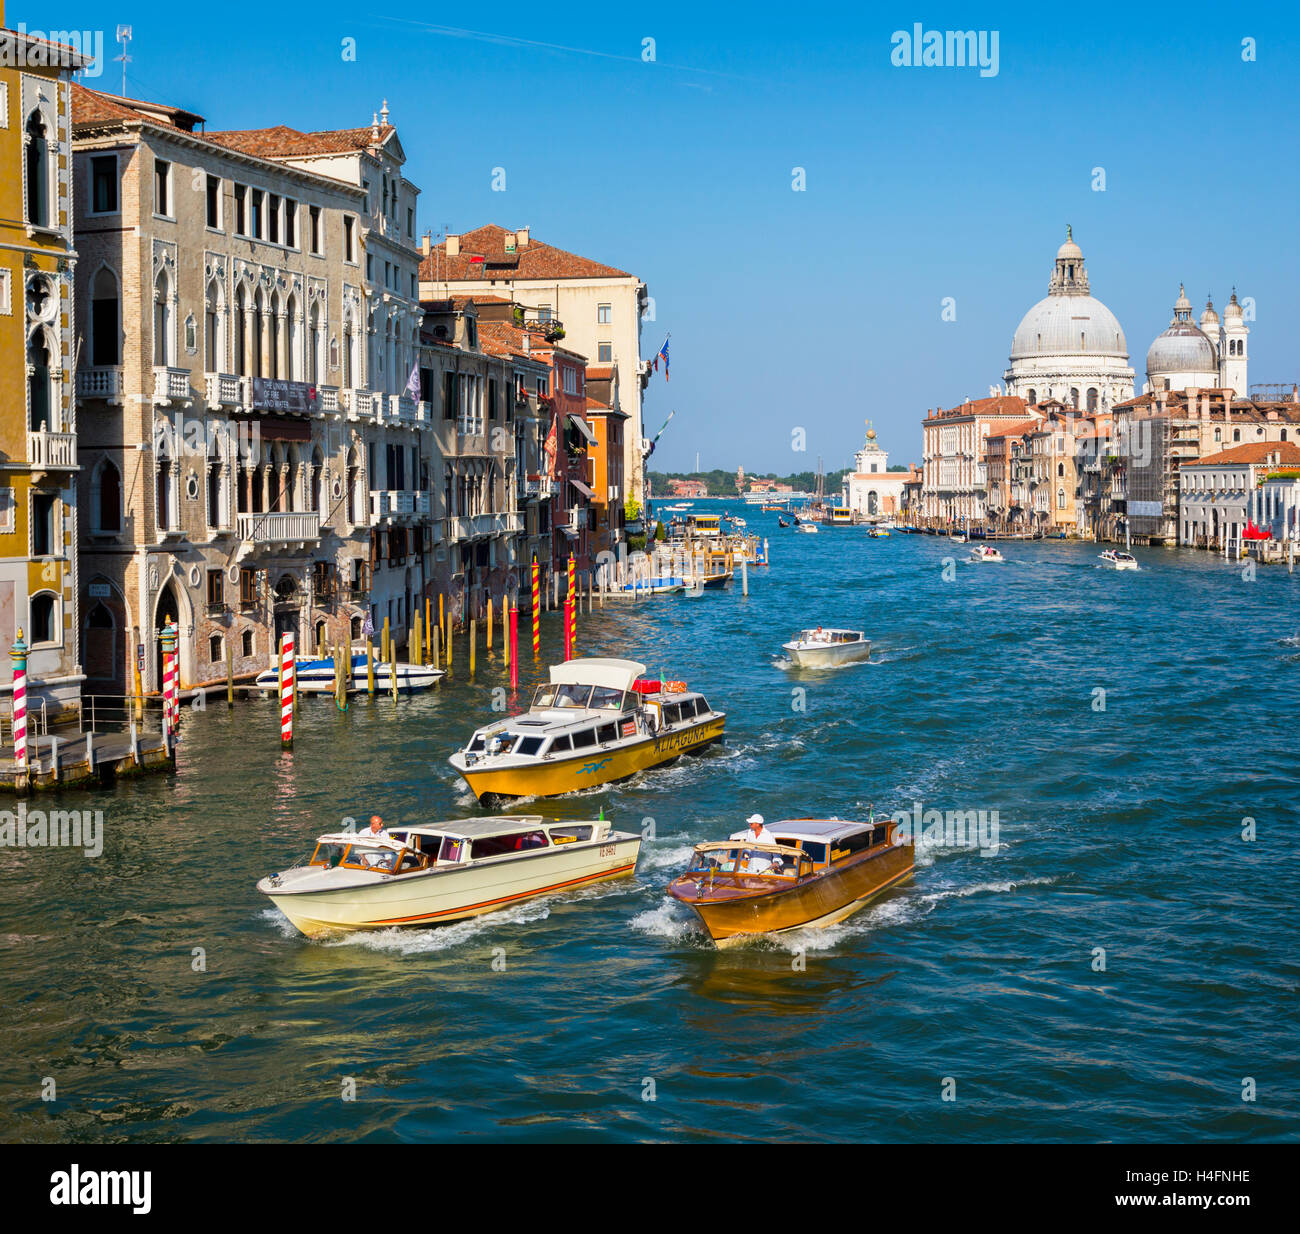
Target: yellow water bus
x,y
595,722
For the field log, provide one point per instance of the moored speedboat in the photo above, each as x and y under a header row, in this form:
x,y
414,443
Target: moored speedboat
x,y
818,872
597,721
985,552
1118,559
316,676
656,585
825,648
442,872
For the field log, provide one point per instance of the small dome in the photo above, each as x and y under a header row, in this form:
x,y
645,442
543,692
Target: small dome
x,y
1069,251
1182,304
1232,311
1182,348
1208,316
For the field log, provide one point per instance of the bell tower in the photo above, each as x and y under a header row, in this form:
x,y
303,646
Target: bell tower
x,y
1232,354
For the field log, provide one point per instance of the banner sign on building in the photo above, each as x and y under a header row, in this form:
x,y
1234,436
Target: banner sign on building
x,y
1146,509
294,397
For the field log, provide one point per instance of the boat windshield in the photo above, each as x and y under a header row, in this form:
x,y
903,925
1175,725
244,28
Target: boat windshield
x,y
744,860
552,695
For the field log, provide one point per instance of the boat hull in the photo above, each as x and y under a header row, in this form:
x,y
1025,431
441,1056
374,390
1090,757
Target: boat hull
x,y
552,777
810,903
441,896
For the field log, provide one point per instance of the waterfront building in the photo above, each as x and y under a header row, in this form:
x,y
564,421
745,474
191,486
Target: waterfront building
x,y
1008,471
1069,346
38,332
871,489
597,308
1053,471
606,459
1161,431
378,378
229,426
955,488
699,488
1219,493
1211,355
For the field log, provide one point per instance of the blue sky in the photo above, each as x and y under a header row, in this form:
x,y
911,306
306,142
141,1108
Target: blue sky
x,y
812,309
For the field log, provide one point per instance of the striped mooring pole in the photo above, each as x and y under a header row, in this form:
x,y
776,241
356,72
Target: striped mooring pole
x,y
537,610
514,647
571,616
287,667
167,636
18,653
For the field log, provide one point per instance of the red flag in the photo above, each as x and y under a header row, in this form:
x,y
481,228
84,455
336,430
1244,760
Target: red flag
x,y
551,447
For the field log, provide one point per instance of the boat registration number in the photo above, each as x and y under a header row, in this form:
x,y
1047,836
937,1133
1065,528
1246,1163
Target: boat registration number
x,y
608,850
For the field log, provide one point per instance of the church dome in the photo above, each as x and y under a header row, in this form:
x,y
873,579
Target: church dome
x,y
1068,325
1181,349
1208,316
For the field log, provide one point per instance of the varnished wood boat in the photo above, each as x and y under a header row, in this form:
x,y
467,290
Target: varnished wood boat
x,y
818,872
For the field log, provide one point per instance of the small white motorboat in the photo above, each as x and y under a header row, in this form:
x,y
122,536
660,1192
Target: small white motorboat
x,y
657,585
316,676
1118,559
958,537
985,552
826,648
437,873
806,526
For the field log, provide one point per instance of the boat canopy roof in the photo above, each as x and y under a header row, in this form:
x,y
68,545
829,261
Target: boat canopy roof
x,y
829,634
501,824
359,837
817,829
593,671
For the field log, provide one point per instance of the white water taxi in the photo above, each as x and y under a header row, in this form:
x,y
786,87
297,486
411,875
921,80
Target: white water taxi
x,y
985,552
596,722
826,648
316,676
802,525
1117,559
442,872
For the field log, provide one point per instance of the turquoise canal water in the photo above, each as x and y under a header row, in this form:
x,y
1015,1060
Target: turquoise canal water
x,y
1121,830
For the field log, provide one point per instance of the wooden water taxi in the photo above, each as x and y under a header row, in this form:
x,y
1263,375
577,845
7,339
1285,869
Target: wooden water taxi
x,y
818,872
596,722
443,872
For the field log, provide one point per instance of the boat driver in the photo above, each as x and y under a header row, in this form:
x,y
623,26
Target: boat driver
x,y
377,830
756,832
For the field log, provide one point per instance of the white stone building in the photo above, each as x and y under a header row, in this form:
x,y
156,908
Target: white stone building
x,y
1209,356
871,489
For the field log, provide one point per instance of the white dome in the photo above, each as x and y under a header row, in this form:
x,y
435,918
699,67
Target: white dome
x,y
1181,349
1068,325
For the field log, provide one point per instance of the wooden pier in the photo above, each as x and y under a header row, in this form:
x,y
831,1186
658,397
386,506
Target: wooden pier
x,y
82,760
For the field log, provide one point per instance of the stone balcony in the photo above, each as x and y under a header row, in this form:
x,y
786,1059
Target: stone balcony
x,y
395,503
482,526
227,390
171,385
101,383
52,451
280,528
359,404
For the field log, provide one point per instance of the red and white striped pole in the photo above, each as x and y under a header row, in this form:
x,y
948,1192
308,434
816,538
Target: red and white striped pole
x,y
171,707
514,646
286,692
18,653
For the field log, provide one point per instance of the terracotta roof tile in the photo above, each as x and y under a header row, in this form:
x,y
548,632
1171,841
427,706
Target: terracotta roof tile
x,y
1253,452
534,260
280,141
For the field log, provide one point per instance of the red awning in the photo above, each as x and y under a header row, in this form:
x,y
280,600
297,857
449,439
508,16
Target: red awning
x,y
583,489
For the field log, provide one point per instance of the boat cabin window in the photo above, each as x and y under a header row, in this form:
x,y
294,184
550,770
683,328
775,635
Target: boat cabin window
x,y
815,851
562,696
428,845
528,745
570,835
361,857
502,743
328,855
743,860
673,713
606,698
607,732
846,846
476,743
452,849
514,842
585,739
560,744
701,706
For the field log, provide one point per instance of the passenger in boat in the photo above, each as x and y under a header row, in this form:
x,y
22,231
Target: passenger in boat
x,y
376,830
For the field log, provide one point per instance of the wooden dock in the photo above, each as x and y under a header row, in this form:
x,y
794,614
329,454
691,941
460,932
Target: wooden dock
x,y
81,760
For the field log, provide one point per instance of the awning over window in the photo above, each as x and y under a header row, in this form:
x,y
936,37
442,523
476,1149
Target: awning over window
x,y
583,489
581,425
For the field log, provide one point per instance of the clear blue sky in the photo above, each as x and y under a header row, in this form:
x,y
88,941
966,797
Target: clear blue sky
x,y
819,308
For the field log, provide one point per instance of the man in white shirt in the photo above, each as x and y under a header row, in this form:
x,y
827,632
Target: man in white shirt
x,y
756,833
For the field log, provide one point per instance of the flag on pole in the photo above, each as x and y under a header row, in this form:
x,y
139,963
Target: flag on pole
x,y
550,449
663,351
413,383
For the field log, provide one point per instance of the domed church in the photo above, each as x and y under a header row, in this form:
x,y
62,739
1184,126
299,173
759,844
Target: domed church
x,y
1209,356
1069,345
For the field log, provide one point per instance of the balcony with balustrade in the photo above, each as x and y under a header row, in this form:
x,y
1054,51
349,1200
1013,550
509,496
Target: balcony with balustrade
x,y
280,528
482,526
228,390
389,504
359,404
171,385
100,382
52,451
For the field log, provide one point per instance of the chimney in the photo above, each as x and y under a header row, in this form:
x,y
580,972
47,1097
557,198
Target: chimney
x,y
453,246
521,237
426,243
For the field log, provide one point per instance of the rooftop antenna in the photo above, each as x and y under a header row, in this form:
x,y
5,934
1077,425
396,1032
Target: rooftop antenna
x,y
123,37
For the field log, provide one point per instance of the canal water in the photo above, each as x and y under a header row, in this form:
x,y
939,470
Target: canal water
x,y
1124,968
